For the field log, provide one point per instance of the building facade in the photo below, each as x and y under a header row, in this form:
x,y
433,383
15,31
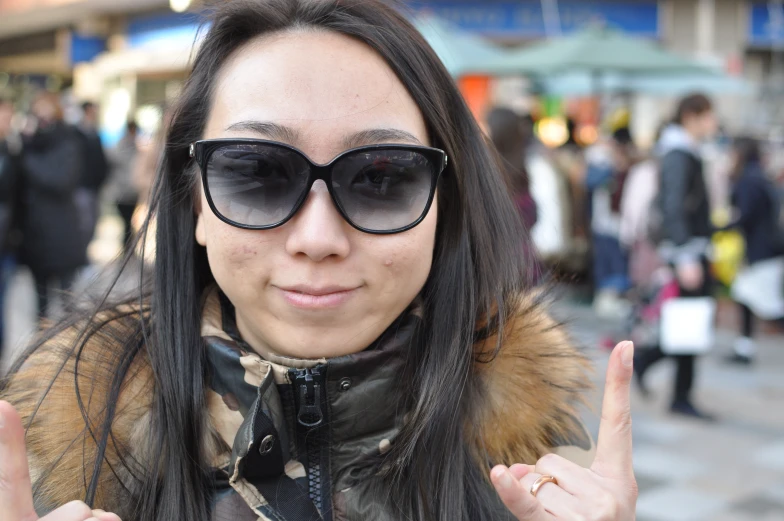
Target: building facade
x,y
133,55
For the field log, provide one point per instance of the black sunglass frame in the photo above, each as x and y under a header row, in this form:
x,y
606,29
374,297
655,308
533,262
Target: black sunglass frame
x,y
201,151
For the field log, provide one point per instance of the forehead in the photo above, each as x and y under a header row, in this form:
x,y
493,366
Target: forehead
x,y
321,84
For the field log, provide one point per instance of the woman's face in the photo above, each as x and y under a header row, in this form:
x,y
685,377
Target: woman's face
x,y
314,287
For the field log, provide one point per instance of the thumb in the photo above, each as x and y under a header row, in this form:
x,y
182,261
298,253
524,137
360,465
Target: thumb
x,y
520,502
16,492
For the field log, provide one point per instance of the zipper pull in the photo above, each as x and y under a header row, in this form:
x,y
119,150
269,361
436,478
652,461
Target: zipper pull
x,y
308,382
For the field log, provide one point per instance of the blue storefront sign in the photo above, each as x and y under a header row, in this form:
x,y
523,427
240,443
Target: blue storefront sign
x,y
766,25
85,48
153,31
525,18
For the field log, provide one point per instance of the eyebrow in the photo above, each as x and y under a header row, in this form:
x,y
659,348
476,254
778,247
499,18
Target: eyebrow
x,y
289,135
266,128
375,136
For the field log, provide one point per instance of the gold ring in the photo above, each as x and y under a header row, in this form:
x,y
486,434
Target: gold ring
x,y
541,481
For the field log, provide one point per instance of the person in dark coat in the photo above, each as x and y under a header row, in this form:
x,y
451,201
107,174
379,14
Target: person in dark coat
x,y
684,234
757,208
9,184
95,170
53,245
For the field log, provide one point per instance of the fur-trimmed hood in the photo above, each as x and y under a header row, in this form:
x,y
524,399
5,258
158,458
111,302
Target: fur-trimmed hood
x,y
530,393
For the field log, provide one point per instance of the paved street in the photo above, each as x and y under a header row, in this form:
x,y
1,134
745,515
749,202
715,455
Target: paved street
x,y
732,470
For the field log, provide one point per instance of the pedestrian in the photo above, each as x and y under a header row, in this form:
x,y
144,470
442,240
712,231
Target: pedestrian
x,y
569,160
52,241
339,326
121,189
147,162
511,137
684,229
757,209
639,195
10,171
608,165
95,170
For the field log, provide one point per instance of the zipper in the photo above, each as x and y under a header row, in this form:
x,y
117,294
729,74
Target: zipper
x,y
310,394
309,384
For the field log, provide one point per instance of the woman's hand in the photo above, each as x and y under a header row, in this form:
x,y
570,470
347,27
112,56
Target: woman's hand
x,y
605,492
16,491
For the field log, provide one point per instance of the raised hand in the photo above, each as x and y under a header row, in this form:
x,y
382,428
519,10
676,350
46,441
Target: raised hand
x,y
605,492
16,491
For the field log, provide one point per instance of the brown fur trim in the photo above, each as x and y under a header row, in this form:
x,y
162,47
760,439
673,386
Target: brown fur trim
x,y
47,393
532,389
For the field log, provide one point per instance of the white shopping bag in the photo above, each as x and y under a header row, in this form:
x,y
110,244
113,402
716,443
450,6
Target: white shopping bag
x,y
687,325
761,288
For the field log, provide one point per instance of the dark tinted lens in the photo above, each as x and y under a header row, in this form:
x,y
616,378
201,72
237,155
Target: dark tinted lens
x,y
256,184
382,190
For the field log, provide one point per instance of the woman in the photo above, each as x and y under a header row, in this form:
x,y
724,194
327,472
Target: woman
x,y
325,337
52,246
511,138
757,217
608,167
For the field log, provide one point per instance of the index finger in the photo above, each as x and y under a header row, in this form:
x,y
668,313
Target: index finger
x,y
614,447
16,491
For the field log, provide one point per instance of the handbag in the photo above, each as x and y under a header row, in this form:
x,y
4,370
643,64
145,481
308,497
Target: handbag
x,y
687,325
760,287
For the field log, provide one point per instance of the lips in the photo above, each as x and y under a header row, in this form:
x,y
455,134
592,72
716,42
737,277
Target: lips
x,y
314,298
317,291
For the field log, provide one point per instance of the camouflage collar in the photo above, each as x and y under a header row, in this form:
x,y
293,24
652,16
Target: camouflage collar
x,y
256,412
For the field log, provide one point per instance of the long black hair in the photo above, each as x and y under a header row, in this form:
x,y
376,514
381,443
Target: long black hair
x,y
476,278
748,156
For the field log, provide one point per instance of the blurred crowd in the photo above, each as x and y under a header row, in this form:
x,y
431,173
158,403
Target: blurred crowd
x,y
698,215
56,179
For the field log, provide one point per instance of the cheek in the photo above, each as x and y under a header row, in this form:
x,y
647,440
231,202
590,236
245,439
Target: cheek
x,y
407,260
232,252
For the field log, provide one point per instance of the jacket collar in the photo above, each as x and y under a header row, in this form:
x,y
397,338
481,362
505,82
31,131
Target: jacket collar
x,y
240,379
266,409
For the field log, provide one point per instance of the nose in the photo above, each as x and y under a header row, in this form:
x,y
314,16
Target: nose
x,y
318,231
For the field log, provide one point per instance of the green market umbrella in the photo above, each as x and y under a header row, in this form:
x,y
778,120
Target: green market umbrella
x,y
599,50
462,52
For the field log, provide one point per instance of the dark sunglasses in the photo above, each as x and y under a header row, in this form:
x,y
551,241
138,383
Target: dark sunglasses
x,y
259,184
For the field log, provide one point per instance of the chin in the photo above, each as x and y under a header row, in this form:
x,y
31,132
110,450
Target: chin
x,y
318,342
